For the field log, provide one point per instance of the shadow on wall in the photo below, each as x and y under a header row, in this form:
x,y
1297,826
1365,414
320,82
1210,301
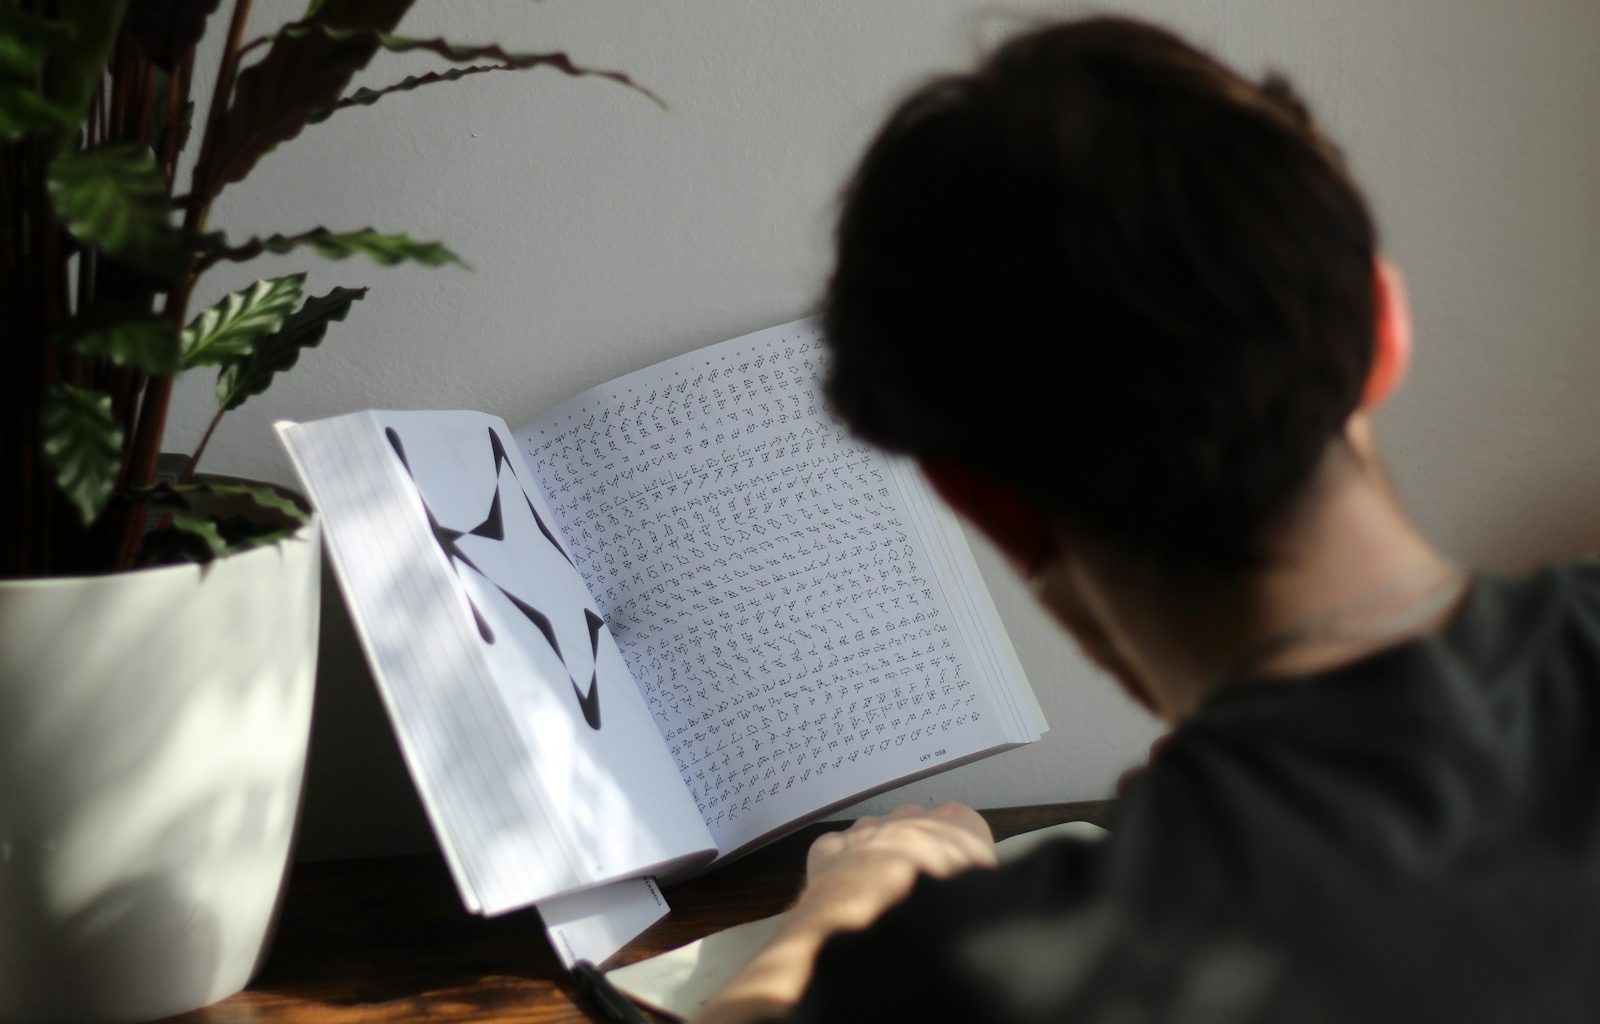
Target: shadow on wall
x,y
359,799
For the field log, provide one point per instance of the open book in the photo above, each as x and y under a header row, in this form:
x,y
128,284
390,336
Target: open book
x,y
669,620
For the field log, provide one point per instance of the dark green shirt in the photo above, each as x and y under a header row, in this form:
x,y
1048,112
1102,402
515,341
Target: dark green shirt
x,y
1413,837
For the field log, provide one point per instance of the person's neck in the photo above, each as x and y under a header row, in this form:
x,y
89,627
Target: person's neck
x,y
1346,575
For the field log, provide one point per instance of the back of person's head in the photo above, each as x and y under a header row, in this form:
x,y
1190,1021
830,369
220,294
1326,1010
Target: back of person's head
x,y
1113,274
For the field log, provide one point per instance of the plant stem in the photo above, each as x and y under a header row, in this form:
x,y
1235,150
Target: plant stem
x,y
158,393
172,128
200,449
147,93
203,191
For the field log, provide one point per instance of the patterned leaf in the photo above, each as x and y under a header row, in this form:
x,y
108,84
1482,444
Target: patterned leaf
x,y
114,197
199,526
134,338
180,496
266,498
384,250
83,443
273,97
196,535
457,52
208,538
79,64
232,327
251,374
26,40
164,29
23,110
367,97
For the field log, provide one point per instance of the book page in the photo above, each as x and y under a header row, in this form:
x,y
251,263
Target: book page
x,y
595,923
538,763
766,580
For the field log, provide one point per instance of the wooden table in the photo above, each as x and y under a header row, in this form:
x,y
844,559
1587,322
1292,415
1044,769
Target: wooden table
x,y
387,940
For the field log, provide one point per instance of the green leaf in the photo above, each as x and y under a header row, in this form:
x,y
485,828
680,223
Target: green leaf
x,y
140,339
384,250
251,374
212,530
114,197
266,498
205,529
219,539
83,443
367,97
459,53
231,328
77,68
273,97
167,495
26,40
23,110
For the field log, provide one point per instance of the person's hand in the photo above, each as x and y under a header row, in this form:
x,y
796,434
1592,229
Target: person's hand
x,y
855,874
852,876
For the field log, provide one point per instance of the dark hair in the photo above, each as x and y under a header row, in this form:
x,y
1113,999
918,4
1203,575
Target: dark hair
x,y
1111,272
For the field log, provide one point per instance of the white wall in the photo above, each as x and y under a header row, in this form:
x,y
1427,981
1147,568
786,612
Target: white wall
x,y
606,234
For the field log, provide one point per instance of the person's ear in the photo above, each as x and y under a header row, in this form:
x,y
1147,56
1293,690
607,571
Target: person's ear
x,y
1016,525
1391,354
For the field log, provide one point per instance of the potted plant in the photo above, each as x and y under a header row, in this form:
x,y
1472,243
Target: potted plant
x,y
157,637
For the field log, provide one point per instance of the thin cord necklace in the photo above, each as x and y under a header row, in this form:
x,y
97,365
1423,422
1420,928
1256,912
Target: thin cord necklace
x,y
1422,594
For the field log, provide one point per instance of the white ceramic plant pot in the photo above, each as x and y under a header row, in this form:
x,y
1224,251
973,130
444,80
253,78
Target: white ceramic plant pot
x,y
153,731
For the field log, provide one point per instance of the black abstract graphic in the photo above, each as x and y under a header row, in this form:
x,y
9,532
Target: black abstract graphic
x,y
493,528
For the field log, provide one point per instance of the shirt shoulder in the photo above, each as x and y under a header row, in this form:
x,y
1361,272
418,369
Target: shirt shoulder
x,y
1308,851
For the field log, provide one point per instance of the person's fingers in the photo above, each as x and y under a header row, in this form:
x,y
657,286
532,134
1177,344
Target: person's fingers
x,y
823,849
967,818
938,841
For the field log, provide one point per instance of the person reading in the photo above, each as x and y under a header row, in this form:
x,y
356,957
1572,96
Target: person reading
x,y
1128,309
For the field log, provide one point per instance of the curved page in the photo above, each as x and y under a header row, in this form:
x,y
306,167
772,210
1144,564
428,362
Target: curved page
x,y
530,744
806,626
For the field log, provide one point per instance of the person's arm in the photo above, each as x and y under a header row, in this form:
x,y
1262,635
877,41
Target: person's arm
x,y
852,876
